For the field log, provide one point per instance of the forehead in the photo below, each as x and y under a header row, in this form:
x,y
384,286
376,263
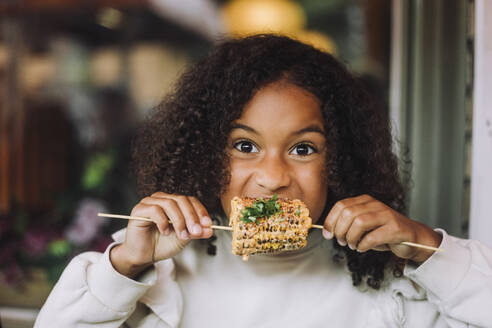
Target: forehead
x,y
282,104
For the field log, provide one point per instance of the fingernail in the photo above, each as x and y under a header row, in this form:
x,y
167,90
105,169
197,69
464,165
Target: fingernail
x,y
341,243
351,247
206,221
197,229
167,232
327,234
184,234
207,231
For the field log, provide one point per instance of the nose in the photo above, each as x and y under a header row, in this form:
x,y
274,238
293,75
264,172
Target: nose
x,y
272,173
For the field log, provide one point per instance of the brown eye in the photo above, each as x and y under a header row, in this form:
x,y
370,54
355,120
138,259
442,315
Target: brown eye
x,y
303,150
245,147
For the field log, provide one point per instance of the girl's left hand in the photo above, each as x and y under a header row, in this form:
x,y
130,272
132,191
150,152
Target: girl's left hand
x,y
364,223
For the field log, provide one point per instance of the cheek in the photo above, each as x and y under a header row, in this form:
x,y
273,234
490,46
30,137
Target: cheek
x,y
314,187
312,180
239,174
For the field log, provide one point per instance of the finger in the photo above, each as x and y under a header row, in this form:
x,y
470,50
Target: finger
x,y
339,206
361,225
202,212
153,212
347,216
190,215
378,239
188,210
177,218
205,219
174,214
160,194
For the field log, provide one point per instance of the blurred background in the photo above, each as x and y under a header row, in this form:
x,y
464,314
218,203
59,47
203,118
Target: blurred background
x,y
76,78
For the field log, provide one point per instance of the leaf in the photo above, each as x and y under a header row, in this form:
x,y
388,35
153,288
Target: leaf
x,y
59,248
260,208
96,170
298,211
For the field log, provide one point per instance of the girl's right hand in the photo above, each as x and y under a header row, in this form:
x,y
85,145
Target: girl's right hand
x,y
149,242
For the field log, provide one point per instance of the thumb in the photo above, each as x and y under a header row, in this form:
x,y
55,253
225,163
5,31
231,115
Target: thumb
x,y
167,246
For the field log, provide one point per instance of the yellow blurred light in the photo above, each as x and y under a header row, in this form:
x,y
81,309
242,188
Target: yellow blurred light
x,y
317,40
36,72
4,56
106,67
110,18
245,17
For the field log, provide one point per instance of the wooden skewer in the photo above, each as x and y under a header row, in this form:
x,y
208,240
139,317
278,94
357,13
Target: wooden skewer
x,y
422,246
127,217
403,242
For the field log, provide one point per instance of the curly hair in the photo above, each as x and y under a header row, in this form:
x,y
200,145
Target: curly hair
x,y
181,147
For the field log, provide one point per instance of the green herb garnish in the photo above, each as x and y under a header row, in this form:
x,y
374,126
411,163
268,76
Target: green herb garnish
x,y
298,211
260,208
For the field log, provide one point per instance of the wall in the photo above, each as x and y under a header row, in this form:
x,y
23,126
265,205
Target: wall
x,y
481,177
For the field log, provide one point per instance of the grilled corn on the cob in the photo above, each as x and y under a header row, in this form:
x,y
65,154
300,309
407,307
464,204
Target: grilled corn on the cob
x,y
285,230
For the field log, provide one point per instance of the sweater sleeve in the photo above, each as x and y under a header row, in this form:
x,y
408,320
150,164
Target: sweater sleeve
x,y
458,281
90,292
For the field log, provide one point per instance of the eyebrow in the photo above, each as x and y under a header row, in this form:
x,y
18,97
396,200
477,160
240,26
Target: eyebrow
x,y
243,127
309,128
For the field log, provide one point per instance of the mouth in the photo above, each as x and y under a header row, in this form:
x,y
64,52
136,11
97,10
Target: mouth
x,y
279,196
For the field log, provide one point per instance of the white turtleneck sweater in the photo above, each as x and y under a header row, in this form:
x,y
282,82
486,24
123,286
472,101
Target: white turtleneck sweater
x,y
305,288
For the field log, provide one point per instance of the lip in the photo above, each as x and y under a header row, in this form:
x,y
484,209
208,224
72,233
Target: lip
x,y
269,196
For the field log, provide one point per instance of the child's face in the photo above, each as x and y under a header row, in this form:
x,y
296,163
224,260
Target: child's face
x,y
278,146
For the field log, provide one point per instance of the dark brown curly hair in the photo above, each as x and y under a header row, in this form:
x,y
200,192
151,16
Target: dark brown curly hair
x,y
181,148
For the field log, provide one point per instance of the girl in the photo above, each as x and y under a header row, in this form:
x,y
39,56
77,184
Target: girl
x,y
260,116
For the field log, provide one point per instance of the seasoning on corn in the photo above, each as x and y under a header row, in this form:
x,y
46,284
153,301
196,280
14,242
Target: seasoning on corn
x,y
268,225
